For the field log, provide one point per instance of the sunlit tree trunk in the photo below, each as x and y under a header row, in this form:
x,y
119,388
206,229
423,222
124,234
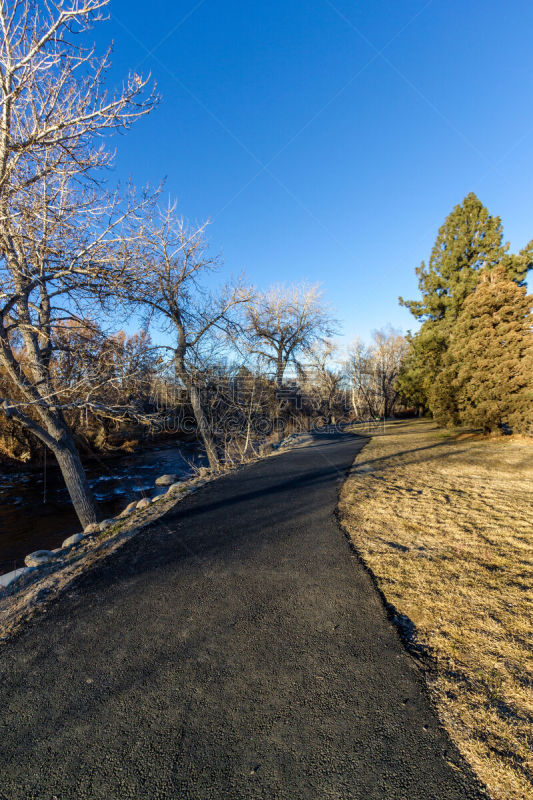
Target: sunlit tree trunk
x,y
76,481
204,427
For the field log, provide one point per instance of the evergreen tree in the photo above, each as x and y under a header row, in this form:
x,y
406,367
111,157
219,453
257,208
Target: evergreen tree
x,y
470,240
469,244
421,364
487,378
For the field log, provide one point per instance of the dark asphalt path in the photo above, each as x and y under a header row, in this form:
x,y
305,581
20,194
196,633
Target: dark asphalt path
x,y
235,650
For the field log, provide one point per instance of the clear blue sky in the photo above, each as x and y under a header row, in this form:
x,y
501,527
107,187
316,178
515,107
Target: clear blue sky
x,y
328,140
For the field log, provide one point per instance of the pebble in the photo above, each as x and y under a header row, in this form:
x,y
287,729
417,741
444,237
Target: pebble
x,y
166,480
39,557
10,577
129,508
93,528
72,540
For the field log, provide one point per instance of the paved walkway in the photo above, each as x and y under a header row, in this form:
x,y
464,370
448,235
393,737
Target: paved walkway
x,y
235,650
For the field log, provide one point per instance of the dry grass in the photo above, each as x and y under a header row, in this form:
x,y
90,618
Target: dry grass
x,y
445,523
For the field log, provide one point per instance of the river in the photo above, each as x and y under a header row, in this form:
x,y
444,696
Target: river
x,y
35,508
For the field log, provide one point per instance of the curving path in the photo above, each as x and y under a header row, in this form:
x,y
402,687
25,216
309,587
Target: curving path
x,y
235,650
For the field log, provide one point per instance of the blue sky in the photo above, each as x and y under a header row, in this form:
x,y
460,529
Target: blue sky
x,y
328,140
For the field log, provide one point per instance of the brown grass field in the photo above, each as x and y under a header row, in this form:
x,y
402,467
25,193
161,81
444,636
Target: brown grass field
x,y
444,520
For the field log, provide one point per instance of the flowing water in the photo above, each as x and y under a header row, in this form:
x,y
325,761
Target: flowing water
x,y
36,512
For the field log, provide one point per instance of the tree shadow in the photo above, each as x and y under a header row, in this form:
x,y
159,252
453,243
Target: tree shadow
x,y
436,450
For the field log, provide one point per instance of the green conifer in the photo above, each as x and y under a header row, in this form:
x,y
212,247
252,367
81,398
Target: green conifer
x,y
487,378
469,244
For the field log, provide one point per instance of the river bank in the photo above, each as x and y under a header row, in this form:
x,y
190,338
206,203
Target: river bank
x,y
29,591
35,509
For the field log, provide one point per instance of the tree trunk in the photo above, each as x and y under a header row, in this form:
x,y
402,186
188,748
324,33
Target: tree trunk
x,y
280,369
203,427
78,487
184,378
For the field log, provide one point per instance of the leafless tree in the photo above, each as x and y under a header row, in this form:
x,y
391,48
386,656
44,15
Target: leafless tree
x,y
239,412
322,379
62,242
284,322
374,370
170,279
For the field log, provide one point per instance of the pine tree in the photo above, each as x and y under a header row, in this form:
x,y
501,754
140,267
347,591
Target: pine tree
x,y
469,244
487,379
469,241
421,363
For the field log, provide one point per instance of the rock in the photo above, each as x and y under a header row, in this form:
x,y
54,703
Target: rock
x,y
144,503
39,557
166,480
9,577
106,523
175,487
72,540
93,528
129,508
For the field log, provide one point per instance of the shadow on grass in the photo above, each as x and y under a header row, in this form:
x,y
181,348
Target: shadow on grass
x,y
433,451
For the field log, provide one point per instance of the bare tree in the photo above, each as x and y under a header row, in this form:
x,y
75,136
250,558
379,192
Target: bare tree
x,y
61,238
323,379
169,279
284,322
374,370
238,411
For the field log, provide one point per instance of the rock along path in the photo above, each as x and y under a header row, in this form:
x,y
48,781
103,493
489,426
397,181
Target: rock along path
x,y
234,650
